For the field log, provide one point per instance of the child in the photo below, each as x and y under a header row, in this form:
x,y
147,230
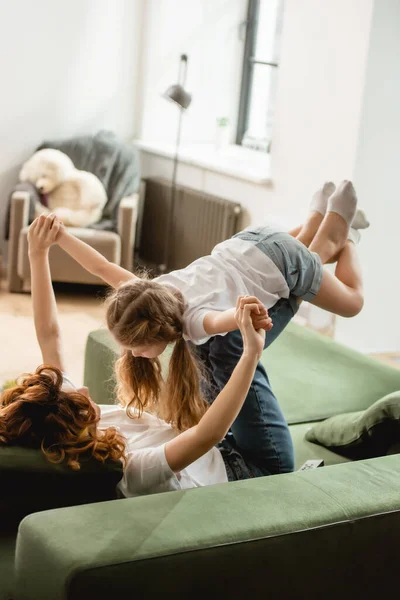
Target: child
x,y
46,410
195,303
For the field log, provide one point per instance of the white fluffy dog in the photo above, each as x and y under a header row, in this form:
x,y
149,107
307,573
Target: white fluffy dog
x,y
76,197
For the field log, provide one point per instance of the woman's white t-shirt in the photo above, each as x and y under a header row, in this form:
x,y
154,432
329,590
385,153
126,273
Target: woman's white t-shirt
x,y
234,268
147,470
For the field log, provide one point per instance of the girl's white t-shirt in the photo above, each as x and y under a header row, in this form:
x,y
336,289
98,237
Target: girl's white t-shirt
x,y
147,470
234,268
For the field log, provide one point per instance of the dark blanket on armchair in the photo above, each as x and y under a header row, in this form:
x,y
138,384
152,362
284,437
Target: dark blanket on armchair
x,y
114,162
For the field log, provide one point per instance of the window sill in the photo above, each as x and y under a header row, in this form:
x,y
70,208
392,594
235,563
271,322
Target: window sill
x,y
234,161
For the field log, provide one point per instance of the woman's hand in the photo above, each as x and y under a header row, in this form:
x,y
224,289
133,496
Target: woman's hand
x,y
253,339
42,234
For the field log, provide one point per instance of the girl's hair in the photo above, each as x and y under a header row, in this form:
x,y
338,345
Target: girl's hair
x,y
37,413
147,312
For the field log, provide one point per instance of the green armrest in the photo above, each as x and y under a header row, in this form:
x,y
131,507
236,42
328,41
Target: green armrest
x,y
325,533
100,355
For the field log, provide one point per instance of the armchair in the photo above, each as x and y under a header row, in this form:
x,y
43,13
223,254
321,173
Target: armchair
x,y
116,165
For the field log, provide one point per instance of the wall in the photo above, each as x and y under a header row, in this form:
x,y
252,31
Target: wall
x,y
320,86
377,328
67,67
208,32
320,93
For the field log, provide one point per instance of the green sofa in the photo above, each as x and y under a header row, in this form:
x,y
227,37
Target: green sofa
x,y
331,532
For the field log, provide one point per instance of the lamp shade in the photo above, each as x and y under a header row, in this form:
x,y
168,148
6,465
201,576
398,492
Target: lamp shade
x,y
176,93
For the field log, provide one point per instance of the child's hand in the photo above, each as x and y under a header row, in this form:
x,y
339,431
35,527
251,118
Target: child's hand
x,y
253,339
259,314
43,233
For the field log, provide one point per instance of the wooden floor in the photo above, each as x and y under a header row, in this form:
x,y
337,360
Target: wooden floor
x,y
80,311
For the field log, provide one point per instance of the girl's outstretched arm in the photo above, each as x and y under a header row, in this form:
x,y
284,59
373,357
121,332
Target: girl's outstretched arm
x,y
216,322
42,234
213,426
93,261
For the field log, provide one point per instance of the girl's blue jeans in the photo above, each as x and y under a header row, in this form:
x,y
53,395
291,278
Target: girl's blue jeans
x,y
260,433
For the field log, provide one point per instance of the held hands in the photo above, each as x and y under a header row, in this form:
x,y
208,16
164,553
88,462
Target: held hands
x,y
259,314
253,339
43,233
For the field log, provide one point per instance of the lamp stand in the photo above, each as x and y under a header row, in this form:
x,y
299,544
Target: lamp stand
x,y
167,248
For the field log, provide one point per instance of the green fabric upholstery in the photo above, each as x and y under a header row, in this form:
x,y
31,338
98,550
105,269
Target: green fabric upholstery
x,y
7,549
362,434
306,450
100,354
312,376
308,534
327,533
30,483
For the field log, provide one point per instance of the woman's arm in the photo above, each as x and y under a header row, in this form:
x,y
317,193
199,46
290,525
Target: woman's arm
x,y
213,426
221,322
42,234
93,261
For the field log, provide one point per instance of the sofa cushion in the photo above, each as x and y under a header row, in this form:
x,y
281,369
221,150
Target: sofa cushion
x,y
306,450
65,268
362,434
30,483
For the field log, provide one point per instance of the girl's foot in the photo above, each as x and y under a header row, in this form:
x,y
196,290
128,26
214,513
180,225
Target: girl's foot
x,y
344,201
317,212
334,230
360,220
319,201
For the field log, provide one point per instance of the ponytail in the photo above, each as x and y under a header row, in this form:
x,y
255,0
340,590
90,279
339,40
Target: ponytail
x,y
185,404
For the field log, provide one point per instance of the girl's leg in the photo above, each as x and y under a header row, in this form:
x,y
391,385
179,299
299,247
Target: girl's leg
x,y
342,293
260,432
295,232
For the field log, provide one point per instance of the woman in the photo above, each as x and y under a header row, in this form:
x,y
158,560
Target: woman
x,y
46,410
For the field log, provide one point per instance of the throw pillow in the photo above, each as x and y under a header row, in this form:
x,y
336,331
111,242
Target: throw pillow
x,y
363,434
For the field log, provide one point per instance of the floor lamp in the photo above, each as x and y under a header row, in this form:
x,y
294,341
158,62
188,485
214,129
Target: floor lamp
x,y
175,93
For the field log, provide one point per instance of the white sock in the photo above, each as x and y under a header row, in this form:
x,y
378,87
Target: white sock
x,y
319,201
354,235
360,220
344,201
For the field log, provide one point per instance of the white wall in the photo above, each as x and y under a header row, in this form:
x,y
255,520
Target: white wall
x,y
320,86
208,32
376,176
66,67
320,92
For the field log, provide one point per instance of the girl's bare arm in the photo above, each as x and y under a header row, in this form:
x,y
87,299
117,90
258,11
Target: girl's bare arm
x,y
42,234
93,261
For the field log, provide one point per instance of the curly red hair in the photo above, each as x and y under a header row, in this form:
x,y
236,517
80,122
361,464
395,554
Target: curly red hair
x,y
38,413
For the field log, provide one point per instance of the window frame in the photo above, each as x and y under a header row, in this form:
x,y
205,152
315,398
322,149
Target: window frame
x,y
249,60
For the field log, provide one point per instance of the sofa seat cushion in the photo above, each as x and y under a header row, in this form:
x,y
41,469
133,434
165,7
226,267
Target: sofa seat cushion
x,y
65,268
306,450
363,434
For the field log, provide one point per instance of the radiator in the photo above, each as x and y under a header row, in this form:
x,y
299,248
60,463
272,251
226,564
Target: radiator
x,y
199,222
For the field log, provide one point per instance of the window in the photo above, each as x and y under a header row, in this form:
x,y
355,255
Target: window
x,y
260,74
